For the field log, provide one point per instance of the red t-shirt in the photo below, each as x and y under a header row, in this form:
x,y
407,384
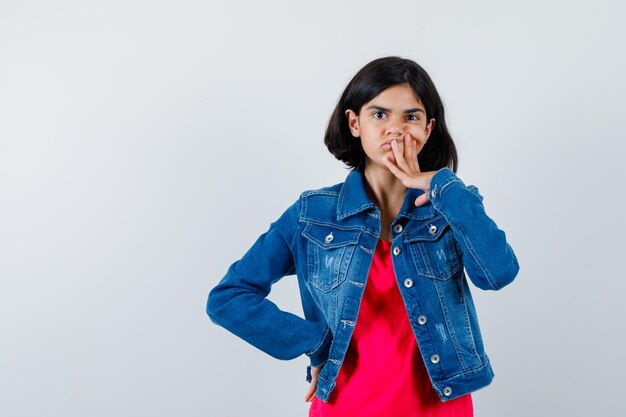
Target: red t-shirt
x,y
383,373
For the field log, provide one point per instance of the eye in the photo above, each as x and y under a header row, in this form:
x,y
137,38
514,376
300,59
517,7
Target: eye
x,y
377,112
415,117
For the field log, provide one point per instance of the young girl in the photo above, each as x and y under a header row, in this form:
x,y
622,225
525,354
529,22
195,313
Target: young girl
x,y
381,259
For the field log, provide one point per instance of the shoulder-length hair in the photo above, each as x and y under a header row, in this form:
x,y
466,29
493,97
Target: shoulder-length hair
x,y
375,77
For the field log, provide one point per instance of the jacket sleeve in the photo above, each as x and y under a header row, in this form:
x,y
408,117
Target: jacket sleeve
x,y
239,304
489,260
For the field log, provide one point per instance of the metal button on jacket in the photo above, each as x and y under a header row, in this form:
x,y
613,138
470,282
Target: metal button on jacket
x,y
447,391
329,238
421,319
397,228
434,358
434,191
432,229
396,251
408,282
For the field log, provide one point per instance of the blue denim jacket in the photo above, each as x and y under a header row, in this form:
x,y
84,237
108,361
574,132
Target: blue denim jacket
x,y
328,237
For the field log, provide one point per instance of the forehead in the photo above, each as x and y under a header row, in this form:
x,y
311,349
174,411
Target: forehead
x,y
397,97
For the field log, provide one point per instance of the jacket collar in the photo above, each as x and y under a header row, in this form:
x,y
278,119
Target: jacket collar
x,y
353,199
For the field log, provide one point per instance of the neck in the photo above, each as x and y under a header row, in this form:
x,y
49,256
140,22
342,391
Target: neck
x,y
384,189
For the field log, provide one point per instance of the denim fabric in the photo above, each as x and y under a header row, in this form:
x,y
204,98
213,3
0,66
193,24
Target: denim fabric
x,y
327,239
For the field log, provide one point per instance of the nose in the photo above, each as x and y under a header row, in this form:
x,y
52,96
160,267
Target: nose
x,y
395,127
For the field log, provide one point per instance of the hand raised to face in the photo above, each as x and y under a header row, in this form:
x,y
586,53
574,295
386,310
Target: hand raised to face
x,y
404,165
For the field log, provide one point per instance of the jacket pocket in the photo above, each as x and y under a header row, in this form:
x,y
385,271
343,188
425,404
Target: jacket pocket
x,y
433,249
329,252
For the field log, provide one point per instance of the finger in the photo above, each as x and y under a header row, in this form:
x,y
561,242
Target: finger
x,y
309,394
402,176
399,155
422,199
311,391
417,165
412,155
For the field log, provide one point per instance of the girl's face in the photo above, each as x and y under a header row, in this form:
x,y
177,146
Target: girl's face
x,y
389,116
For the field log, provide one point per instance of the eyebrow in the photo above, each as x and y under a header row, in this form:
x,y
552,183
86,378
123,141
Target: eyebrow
x,y
414,110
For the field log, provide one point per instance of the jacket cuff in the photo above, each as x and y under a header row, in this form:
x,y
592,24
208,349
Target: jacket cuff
x,y
320,354
441,180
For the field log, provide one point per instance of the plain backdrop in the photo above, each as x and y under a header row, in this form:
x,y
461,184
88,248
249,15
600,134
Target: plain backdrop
x,y
144,146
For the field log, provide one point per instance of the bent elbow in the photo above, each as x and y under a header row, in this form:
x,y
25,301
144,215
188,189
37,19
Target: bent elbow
x,y
214,306
494,279
507,275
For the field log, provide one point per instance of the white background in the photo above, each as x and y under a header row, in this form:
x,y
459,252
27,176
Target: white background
x,y
144,145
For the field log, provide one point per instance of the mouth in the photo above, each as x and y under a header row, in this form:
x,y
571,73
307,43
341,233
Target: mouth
x,y
387,143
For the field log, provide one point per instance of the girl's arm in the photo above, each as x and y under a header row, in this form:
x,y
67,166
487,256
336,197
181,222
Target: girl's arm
x,y
488,259
239,304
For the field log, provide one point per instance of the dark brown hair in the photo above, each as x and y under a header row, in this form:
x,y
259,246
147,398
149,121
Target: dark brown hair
x,y
375,77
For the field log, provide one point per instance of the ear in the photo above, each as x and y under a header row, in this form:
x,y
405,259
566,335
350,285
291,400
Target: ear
x,y
429,127
353,123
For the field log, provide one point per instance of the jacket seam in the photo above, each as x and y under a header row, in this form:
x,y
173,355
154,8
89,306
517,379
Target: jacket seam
x,y
293,239
318,192
462,374
443,187
334,225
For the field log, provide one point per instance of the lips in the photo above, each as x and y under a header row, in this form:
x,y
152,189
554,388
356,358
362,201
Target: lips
x,y
387,143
